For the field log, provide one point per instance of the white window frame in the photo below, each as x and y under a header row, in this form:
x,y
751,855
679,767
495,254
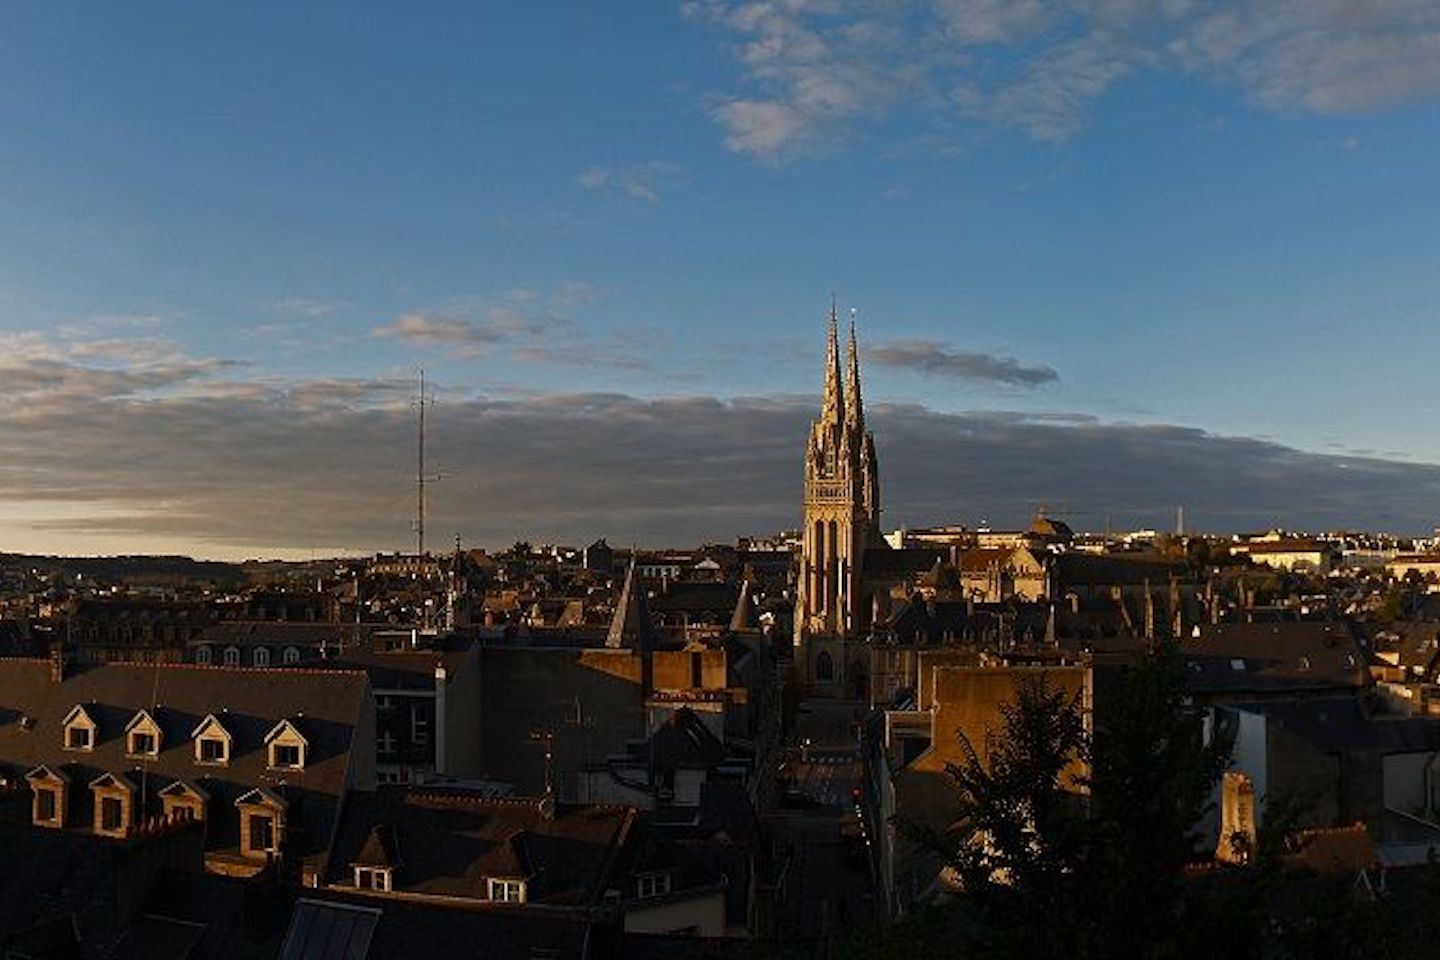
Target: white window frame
x,y
290,655
372,878
502,890
203,656
261,657
652,885
232,656
224,751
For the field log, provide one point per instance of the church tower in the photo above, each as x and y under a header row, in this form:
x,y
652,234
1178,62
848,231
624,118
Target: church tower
x,y
842,505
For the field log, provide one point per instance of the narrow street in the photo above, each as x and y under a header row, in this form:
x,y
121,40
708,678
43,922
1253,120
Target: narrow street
x,y
829,887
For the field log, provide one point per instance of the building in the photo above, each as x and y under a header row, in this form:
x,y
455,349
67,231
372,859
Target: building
x,y
264,759
842,525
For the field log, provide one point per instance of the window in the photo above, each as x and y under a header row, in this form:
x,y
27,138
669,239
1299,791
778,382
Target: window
x,y
385,743
262,832
77,738
212,750
824,667
507,891
291,655
419,725
261,657
112,813
202,656
384,702
372,878
142,744
653,885
232,656
45,805
286,746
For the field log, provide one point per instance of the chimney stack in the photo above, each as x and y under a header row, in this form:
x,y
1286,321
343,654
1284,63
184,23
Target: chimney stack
x,y
57,660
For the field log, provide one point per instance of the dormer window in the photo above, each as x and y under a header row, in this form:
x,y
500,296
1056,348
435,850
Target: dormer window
x,y
181,800
142,736
373,878
79,730
114,804
262,822
506,890
212,743
50,789
286,747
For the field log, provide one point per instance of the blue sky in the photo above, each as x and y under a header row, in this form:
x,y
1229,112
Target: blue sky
x,y
1216,217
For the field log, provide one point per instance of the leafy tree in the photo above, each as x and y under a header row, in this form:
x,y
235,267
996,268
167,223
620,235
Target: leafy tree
x,y
1152,776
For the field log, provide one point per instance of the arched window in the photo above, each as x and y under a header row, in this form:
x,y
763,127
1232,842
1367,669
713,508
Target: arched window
x,y
262,656
232,656
202,656
824,667
291,655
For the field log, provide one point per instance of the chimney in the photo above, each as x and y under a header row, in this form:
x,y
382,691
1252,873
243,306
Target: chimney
x,y
57,661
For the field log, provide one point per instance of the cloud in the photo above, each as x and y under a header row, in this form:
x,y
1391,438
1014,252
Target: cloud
x,y
642,181
525,325
260,466
935,359
311,307
812,71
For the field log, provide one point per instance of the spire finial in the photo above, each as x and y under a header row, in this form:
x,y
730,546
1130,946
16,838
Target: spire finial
x,y
855,407
834,404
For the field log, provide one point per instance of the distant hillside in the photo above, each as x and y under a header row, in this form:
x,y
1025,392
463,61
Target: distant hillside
x,y
169,571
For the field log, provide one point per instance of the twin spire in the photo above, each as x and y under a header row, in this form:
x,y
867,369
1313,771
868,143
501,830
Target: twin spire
x,y
842,402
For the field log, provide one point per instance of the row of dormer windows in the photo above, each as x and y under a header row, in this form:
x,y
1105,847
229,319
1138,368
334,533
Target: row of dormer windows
x,y
262,812
232,656
286,747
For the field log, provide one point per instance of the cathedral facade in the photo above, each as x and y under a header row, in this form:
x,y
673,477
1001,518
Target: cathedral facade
x,y
842,526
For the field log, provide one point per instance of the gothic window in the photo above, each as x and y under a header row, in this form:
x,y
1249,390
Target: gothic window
x,y
291,655
262,656
232,656
824,667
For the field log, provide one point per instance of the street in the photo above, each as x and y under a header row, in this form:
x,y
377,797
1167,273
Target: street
x,y
829,885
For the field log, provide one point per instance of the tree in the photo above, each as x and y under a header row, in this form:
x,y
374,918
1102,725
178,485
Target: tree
x,y
1020,837
1046,870
1152,776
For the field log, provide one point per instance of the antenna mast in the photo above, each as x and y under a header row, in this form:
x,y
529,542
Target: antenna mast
x,y
421,478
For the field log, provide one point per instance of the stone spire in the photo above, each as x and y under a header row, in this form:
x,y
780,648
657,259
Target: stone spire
x,y
631,625
740,618
834,406
854,406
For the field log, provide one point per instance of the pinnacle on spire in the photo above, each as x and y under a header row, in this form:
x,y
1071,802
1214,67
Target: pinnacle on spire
x,y
854,406
834,404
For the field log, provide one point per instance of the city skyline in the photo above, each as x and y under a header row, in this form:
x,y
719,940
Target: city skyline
x,y
1107,259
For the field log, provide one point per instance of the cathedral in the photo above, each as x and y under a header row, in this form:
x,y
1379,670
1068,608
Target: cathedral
x,y
842,525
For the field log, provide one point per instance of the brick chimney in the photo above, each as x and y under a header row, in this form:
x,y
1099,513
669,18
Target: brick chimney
x,y
57,660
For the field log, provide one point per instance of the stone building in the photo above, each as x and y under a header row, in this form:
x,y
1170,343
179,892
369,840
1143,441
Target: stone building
x,y
842,524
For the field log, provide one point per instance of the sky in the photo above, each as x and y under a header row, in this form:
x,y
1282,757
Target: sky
x,y
1106,257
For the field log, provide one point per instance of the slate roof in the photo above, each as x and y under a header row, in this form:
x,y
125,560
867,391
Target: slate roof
x,y
452,840
1296,657
1076,569
324,705
1342,724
